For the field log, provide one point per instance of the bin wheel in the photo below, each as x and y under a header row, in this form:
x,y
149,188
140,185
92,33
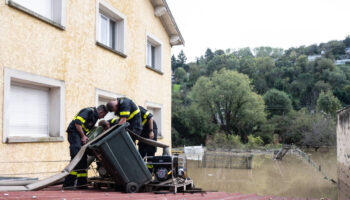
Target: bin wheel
x,y
132,187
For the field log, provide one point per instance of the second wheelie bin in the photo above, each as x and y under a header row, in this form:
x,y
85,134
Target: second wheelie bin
x,y
119,156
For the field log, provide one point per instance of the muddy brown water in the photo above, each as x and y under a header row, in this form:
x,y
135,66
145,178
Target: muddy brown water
x,y
291,177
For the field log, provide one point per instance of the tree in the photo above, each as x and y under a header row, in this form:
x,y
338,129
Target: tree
x,y
181,60
228,97
322,132
208,55
173,63
180,75
334,49
190,125
277,102
328,103
222,61
347,41
243,53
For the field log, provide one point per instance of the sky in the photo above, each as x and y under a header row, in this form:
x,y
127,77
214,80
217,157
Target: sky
x,y
234,24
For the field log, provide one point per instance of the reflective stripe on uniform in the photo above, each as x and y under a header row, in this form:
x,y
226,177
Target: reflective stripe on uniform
x,y
133,114
86,129
149,166
74,173
125,113
145,118
79,175
79,118
113,120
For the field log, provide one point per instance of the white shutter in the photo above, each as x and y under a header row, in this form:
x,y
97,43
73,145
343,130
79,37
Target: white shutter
x,y
42,7
29,111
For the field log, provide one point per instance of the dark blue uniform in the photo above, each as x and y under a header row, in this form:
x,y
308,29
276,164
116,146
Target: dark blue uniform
x,y
128,109
113,121
87,118
144,149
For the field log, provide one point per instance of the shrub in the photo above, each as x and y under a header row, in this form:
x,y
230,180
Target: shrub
x,y
254,142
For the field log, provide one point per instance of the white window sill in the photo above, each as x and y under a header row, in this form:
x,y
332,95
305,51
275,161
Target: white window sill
x,y
110,49
34,14
24,139
155,70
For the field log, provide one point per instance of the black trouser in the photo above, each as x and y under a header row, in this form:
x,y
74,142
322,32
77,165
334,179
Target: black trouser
x,y
145,149
136,127
80,171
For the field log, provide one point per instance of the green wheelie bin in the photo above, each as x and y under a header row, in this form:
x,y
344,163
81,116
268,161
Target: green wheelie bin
x,y
119,156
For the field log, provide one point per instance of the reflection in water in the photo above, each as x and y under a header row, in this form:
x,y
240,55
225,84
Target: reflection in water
x,y
291,177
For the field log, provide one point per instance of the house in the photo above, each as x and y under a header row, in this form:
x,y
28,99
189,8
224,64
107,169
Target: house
x,y
58,56
347,50
343,152
342,61
313,57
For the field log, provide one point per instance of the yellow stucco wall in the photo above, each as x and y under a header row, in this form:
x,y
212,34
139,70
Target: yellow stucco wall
x,y
30,45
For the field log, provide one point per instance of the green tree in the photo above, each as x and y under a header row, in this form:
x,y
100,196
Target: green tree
x,y
277,102
222,61
228,97
208,55
347,41
181,60
190,125
334,49
173,63
328,103
180,75
322,132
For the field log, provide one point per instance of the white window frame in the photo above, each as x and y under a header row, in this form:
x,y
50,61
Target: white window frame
x,y
119,18
107,95
154,41
159,124
58,17
57,105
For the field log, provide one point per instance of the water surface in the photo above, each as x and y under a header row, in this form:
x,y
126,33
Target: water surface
x,y
291,177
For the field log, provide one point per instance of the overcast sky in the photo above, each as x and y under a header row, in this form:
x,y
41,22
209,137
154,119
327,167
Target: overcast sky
x,y
222,24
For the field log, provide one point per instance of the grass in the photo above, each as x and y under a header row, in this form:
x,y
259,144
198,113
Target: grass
x,y
176,87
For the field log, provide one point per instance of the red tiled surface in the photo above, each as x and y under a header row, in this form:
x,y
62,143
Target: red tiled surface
x,y
55,192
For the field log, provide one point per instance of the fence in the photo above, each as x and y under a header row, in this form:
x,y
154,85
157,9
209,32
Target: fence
x,y
226,160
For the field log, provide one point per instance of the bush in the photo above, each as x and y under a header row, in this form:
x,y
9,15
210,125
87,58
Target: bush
x,y
254,142
224,141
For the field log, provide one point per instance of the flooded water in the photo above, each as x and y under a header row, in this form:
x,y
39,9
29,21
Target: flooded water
x,y
291,177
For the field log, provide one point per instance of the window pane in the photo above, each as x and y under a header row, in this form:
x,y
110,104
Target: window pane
x,y
103,29
112,34
149,54
153,54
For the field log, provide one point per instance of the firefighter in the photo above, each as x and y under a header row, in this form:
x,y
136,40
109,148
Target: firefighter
x,y
149,131
77,129
127,111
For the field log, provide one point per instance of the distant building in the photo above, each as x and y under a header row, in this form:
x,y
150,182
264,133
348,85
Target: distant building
x,y
313,57
347,50
342,62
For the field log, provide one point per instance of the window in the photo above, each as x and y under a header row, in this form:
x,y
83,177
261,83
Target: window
x,y
51,11
103,97
154,53
156,110
33,110
110,28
